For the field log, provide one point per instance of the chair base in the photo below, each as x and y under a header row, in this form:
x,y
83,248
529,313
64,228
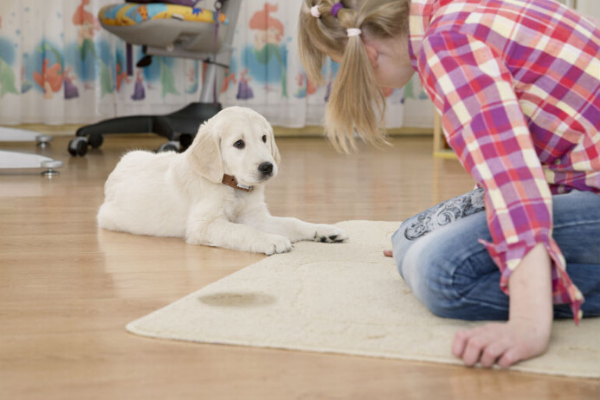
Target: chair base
x,y
179,127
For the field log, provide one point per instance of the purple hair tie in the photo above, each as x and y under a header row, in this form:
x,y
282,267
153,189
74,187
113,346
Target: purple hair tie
x,y
336,8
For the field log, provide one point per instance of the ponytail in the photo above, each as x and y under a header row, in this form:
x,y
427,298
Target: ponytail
x,y
356,104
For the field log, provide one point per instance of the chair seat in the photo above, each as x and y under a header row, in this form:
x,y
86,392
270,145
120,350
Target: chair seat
x,y
129,14
165,26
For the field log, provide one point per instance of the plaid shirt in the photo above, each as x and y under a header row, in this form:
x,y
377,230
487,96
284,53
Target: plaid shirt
x,y
517,83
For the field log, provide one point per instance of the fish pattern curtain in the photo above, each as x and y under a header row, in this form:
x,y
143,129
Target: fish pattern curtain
x,y
58,66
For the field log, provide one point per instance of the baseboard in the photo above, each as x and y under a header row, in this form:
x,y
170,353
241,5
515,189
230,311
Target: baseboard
x,y
280,131
317,131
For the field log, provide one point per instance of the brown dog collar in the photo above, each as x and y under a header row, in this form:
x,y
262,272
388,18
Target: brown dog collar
x,y
232,182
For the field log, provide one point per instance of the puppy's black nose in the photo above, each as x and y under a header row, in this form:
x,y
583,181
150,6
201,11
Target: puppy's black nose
x,y
266,168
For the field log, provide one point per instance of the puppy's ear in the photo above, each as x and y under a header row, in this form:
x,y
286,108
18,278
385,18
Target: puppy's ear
x,y
205,153
274,149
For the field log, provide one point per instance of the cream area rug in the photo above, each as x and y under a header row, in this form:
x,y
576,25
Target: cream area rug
x,y
343,298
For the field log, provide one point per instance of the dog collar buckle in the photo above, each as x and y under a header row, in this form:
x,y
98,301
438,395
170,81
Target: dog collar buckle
x,y
232,182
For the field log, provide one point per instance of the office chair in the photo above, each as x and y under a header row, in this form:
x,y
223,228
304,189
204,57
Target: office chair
x,y
171,30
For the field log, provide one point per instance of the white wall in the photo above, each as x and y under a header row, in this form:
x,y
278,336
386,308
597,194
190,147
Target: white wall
x,y
589,8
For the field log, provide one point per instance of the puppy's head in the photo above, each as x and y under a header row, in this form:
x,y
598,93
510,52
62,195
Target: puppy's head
x,y
237,141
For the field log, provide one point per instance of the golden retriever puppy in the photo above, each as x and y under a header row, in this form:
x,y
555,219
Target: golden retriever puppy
x,y
212,194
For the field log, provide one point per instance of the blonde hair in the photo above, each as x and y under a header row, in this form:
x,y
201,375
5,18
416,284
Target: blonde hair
x,y
356,104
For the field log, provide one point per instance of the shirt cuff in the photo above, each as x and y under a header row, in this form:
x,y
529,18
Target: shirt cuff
x,y
508,257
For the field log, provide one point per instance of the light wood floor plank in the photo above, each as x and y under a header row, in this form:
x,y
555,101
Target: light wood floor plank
x,y
67,289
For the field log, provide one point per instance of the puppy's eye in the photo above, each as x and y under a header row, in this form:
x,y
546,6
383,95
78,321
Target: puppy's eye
x,y
239,144
264,138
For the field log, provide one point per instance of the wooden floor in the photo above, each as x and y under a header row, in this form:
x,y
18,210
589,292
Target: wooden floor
x,y
67,289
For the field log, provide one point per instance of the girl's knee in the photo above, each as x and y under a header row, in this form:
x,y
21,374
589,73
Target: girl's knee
x,y
429,274
450,280
442,266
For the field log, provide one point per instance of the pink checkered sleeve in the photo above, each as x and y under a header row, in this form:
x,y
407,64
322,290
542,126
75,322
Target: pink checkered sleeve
x,y
483,122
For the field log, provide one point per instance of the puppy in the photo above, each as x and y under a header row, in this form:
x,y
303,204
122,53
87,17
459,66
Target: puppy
x,y
212,194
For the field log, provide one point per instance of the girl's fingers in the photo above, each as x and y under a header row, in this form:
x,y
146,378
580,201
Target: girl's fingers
x,y
510,357
459,343
475,345
492,352
388,253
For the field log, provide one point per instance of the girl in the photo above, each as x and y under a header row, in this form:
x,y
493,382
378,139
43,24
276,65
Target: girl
x,y
517,83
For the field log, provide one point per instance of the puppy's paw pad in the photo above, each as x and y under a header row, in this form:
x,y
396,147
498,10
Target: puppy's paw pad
x,y
330,234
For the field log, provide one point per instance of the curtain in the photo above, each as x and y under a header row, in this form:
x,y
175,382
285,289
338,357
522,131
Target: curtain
x,y
58,66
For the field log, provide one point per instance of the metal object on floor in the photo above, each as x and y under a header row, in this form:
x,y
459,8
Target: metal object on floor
x,y
16,160
50,166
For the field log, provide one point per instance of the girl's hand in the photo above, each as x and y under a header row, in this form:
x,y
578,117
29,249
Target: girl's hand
x,y
503,343
527,333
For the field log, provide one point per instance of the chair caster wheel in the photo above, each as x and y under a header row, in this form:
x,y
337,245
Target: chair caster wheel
x,y
95,140
78,146
169,146
185,141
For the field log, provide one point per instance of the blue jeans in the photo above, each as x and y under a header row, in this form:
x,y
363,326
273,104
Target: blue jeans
x,y
438,255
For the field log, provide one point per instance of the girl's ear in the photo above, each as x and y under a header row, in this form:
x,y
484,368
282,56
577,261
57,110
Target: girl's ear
x,y
372,54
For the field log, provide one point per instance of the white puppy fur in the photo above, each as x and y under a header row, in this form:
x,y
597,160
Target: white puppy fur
x,y
182,195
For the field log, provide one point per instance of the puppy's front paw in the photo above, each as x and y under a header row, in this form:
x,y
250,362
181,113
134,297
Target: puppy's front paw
x,y
329,234
275,244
